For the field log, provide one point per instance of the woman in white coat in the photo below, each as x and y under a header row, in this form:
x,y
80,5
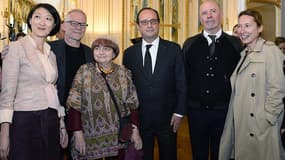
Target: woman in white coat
x,y
252,129
31,118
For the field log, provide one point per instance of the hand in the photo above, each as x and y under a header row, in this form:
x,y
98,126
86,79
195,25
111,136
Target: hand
x,y
4,141
282,130
5,51
63,137
80,144
136,138
175,122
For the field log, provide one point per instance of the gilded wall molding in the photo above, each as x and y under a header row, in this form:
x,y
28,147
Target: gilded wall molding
x,y
274,2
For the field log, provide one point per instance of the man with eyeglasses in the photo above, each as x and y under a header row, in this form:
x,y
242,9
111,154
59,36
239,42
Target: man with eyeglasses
x,y
210,58
70,52
158,74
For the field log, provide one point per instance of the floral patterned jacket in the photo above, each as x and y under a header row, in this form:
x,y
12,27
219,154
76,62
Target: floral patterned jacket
x,y
90,96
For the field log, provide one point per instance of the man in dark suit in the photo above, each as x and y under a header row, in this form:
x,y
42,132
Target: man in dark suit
x,y
210,58
158,73
70,52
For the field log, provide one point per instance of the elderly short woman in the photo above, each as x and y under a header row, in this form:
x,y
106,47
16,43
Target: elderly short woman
x,y
92,115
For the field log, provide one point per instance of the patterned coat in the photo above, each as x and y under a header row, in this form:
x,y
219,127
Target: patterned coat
x,y
90,96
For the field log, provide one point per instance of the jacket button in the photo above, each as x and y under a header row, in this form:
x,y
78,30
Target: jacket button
x,y
252,94
207,91
251,134
251,114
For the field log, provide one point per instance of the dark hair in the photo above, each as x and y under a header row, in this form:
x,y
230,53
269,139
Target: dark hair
x,y
253,13
147,8
20,34
52,11
234,27
279,40
107,43
136,40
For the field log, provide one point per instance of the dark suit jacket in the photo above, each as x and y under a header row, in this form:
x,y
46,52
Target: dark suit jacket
x,y
210,87
58,47
164,93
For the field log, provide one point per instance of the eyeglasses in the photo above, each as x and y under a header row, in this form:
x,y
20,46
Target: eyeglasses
x,y
75,24
151,21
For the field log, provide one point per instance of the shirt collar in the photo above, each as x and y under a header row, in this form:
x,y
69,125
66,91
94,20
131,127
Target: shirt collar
x,y
46,45
154,43
258,46
218,35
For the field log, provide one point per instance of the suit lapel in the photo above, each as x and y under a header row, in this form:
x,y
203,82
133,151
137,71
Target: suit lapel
x,y
139,58
245,64
52,60
255,56
59,50
32,56
87,53
159,58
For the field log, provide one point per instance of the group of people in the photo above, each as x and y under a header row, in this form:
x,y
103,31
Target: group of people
x,y
231,91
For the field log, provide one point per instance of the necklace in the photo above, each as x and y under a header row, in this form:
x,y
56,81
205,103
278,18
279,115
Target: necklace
x,y
106,71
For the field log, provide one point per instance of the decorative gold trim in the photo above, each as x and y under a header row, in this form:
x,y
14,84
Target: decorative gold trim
x,y
274,2
20,10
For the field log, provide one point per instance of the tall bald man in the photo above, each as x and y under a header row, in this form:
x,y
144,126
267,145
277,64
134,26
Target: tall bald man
x,y
210,58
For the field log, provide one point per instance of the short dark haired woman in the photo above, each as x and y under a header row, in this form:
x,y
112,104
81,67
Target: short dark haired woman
x,y
31,117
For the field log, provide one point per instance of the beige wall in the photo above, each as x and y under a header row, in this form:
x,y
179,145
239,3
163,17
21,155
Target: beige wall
x,y
269,16
269,28
115,17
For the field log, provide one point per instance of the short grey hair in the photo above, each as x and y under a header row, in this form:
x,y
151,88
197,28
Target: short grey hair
x,y
72,11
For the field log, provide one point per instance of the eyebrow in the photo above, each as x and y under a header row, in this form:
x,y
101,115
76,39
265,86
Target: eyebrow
x,y
38,13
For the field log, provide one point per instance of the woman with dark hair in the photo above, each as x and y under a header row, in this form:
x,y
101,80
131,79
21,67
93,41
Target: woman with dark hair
x,y
252,128
31,118
98,89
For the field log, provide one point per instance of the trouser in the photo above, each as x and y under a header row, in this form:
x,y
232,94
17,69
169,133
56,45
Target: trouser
x,y
166,143
34,135
206,128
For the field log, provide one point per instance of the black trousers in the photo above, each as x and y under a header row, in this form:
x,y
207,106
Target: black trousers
x,y
206,127
166,143
34,135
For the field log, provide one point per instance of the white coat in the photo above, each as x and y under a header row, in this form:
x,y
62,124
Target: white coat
x,y
252,128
